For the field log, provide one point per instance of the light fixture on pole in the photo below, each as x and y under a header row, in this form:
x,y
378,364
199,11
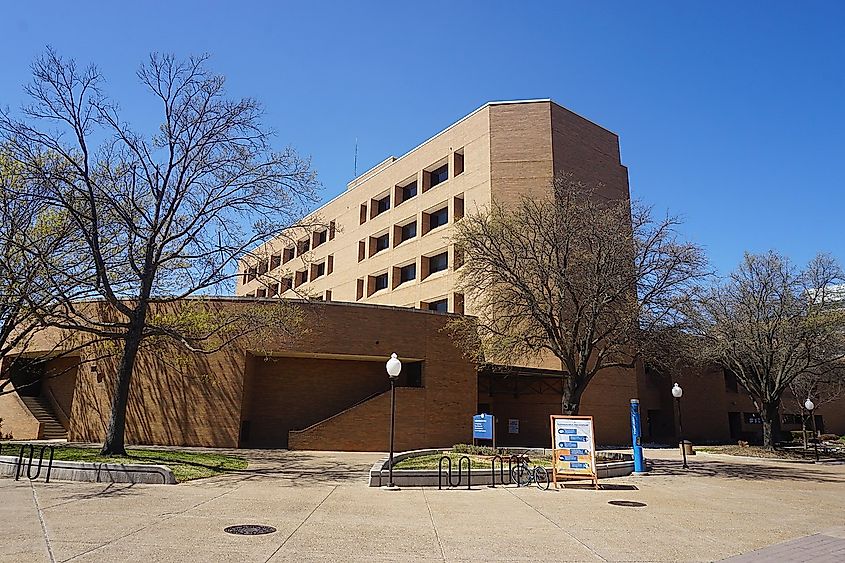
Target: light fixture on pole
x,y
394,368
809,405
677,392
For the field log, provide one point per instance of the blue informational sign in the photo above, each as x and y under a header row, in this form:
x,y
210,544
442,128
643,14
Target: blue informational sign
x,y
482,426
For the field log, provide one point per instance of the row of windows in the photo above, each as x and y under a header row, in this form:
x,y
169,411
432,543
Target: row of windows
x,y
408,189
408,230
302,246
402,274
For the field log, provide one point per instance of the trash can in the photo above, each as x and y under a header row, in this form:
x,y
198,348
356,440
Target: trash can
x,y
686,446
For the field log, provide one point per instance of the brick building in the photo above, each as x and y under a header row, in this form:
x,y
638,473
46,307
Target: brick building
x,y
380,272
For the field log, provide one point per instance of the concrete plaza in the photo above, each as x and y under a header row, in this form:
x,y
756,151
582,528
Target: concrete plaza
x,y
322,509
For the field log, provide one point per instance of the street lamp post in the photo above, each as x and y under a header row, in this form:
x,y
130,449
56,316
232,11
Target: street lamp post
x,y
809,405
677,392
394,368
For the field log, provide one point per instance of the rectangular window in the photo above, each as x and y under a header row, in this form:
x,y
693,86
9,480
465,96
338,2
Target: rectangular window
x,y
330,264
440,175
262,267
409,231
362,250
438,263
301,278
252,273
287,283
262,292
363,213
321,237
459,208
409,191
287,255
459,162
303,246
383,205
275,261
440,306
332,230
408,273
438,218
328,295
380,282
359,290
383,242
317,270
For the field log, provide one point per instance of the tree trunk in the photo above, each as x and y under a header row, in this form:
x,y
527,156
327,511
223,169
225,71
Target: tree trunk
x,y
570,398
770,414
115,436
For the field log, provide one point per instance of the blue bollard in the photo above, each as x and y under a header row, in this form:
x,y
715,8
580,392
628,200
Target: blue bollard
x,y
639,462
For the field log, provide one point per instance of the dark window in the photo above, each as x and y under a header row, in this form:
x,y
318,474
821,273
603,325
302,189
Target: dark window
x,y
438,218
304,246
412,373
383,204
789,418
440,175
322,237
408,273
275,261
438,263
381,282
409,231
752,418
383,242
441,306
409,191
287,255
261,292
320,269
286,284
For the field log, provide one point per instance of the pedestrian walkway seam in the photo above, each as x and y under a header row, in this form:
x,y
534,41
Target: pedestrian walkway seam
x,y
167,516
334,488
434,527
43,523
555,524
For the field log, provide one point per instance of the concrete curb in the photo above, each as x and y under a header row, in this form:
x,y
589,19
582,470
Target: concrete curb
x,y
91,472
379,473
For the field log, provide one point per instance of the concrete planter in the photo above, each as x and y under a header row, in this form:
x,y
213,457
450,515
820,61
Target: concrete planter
x,y
91,472
622,465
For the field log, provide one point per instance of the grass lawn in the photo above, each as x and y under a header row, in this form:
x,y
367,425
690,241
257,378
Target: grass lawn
x,y
478,462
756,451
186,466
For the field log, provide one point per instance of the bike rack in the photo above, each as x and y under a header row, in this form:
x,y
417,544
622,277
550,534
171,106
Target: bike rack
x,y
19,468
501,470
449,474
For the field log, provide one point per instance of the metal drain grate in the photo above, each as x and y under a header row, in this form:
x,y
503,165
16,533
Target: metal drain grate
x,y
630,503
249,530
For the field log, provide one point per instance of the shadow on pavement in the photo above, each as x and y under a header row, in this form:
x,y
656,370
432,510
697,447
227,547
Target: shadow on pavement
x,y
747,470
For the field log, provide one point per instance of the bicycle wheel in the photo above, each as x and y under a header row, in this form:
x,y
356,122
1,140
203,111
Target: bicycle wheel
x,y
541,478
521,475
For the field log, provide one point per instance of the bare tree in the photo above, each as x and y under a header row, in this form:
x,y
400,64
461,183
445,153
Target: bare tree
x,y
163,215
771,324
589,280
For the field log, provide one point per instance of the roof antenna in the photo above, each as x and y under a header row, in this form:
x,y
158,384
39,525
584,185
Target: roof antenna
x,y
355,175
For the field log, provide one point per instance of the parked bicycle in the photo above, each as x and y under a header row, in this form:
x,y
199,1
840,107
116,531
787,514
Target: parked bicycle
x,y
523,473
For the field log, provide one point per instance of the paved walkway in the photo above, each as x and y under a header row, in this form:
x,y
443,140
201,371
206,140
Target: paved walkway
x,y
322,509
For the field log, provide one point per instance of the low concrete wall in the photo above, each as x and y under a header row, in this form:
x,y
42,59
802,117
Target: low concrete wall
x,y
379,474
91,472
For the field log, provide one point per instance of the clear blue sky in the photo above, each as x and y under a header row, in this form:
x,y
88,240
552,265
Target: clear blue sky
x,y
731,114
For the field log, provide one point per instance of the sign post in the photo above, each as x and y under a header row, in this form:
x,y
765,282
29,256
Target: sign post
x,y
484,427
574,448
639,462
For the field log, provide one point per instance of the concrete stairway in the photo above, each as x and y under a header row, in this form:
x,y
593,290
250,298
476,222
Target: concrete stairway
x,y
42,410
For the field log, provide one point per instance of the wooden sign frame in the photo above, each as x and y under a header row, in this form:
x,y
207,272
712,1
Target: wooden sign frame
x,y
557,452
